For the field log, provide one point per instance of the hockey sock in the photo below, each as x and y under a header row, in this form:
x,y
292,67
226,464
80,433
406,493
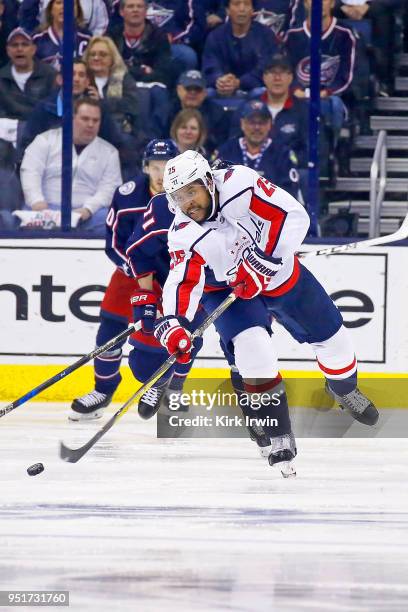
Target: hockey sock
x,y
343,386
107,371
266,402
107,365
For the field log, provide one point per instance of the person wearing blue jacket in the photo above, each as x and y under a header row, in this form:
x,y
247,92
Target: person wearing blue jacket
x,y
235,53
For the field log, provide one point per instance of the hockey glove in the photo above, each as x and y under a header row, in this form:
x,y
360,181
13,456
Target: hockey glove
x,y
174,337
144,306
254,273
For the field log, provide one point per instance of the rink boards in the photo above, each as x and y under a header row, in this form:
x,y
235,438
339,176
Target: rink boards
x,y
50,292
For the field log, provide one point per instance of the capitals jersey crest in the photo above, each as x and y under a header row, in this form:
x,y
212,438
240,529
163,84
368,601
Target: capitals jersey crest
x,y
180,226
328,71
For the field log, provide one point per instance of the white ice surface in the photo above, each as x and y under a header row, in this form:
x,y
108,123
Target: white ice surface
x,y
195,525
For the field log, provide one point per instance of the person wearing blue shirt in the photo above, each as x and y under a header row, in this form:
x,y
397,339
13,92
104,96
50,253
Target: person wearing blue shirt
x,y
235,53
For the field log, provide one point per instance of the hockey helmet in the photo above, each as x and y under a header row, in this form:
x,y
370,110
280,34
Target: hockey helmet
x,y
187,168
160,149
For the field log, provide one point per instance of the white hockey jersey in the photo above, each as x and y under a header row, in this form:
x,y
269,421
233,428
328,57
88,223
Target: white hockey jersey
x,y
252,212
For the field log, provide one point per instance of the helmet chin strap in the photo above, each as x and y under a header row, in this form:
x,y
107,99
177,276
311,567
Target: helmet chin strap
x,y
211,188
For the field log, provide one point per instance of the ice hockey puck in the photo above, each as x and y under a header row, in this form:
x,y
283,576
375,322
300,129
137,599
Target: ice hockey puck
x,y
35,469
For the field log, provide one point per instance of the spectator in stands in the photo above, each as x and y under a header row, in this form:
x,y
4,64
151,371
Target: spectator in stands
x,y
118,90
337,62
189,131
96,163
289,114
381,15
96,18
49,40
184,23
257,150
47,114
144,46
192,93
23,81
236,52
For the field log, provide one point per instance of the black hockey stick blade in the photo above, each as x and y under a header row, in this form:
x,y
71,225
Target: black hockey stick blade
x,y
72,455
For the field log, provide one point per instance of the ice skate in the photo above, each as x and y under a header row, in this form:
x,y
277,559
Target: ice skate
x,y
287,469
358,405
281,449
89,406
150,401
258,435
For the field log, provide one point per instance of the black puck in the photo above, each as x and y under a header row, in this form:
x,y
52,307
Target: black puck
x,y
35,469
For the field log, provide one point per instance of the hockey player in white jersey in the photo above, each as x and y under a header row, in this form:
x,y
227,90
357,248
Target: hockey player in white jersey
x,y
235,229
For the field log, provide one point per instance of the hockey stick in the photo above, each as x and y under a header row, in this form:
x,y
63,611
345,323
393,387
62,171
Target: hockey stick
x,y
72,455
400,234
60,375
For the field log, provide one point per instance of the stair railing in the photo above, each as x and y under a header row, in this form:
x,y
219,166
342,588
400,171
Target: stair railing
x,y
378,183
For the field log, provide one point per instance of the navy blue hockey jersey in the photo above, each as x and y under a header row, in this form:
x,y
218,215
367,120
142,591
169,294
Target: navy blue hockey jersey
x,y
276,162
146,248
49,46
338,48
129,201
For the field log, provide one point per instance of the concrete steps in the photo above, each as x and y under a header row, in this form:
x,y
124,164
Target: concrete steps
x,y
394,143
362,184
396,165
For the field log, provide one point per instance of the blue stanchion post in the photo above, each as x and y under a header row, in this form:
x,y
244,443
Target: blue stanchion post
x,y
314,116
67,71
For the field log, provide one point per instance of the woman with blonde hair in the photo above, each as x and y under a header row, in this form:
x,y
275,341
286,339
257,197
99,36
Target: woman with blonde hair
x,y
189,131
115,85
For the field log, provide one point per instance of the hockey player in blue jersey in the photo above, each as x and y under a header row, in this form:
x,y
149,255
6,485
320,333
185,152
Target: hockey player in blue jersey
x,y
235,226
127,208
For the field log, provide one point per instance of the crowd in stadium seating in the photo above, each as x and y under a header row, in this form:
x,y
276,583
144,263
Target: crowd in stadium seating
x,y
226,77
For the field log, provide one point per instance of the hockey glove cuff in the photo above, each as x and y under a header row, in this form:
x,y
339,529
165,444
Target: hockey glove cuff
x,y
174,337
254,273
144,306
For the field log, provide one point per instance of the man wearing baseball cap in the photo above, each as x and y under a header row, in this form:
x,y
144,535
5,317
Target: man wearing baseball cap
x,y
23,81
192,93
257,150
289,114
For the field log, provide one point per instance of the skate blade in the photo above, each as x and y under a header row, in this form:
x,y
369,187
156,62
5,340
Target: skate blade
x,y
79,416
287,470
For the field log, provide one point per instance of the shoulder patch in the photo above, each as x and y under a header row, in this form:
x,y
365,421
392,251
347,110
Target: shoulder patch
x,y
228,174
127,188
